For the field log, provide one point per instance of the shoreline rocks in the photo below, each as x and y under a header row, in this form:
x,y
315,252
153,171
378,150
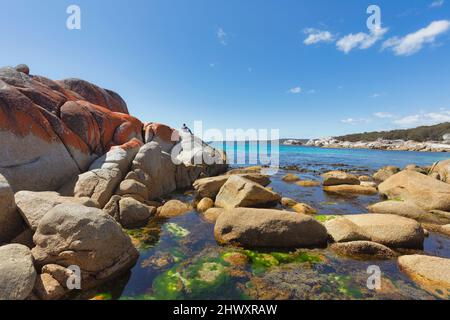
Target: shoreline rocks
x,y
72,234
381,144
241,192
386,229
210,187
11,222
430,273
363,249
424,191
34,205
334,178
409,210
17,272
351,189
268,228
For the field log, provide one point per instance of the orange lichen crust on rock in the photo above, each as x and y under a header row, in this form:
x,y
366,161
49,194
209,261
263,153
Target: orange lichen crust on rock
x,y
81,117
165,133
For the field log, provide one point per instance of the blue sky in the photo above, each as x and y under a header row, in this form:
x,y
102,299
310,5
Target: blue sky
x,y
308,68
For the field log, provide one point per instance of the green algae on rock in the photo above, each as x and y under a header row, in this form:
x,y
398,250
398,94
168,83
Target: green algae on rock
x,y
260,262
177,231
324,218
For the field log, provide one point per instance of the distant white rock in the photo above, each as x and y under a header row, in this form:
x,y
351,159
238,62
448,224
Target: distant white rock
x,y
292,142
382,144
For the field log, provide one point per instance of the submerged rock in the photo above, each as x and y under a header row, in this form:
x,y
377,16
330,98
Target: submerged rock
x,y
424,191
334,178
241,192
351,189
268,228
17,273
363,249
290,177
308,183
430,273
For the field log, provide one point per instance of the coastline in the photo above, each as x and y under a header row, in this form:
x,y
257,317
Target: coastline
x,y
388,145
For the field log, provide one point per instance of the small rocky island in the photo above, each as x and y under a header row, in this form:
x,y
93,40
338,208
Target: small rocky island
x,y
77,172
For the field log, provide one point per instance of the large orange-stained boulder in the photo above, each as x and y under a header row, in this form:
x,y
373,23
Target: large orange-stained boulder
x,y
52,131
166,136
96,95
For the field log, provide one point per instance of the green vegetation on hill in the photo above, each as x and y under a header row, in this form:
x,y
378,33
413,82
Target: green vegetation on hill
x,y
420,134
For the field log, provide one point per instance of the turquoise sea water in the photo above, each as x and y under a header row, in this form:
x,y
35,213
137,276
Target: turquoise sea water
x,y
307,156
179,258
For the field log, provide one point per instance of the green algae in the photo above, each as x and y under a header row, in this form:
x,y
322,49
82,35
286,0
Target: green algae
x,y
169,285
147,237
176,231
260,262
346,286
197,280
324,218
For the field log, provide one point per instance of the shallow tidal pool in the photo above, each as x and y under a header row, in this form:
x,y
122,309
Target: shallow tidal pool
x,y
179,259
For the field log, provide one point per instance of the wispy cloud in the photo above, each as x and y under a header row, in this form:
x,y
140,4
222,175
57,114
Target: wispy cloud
x,y
354,121
384,115
437,4
222,36
316,36
360,40
424,118
414,42
295,90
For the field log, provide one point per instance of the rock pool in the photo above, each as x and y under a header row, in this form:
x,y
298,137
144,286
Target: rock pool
x,y
179,258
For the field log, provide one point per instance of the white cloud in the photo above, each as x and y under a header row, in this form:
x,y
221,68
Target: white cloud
x,y
354,121
384,115
316,36
423,118
360,40
295,90
375,95
414,42
222,36
437,4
